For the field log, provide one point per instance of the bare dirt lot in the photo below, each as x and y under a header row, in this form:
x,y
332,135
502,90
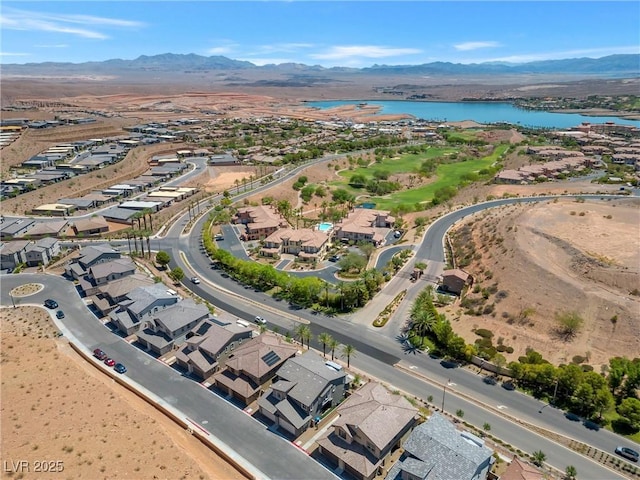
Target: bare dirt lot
x,y
56,407
556,257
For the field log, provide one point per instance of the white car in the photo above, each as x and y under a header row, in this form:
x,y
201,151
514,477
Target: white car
x,y
195,280
260,321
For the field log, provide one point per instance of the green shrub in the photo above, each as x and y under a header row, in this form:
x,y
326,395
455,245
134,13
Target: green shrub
x,y
578,359
484,333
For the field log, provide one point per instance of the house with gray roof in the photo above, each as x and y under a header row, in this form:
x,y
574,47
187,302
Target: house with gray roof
x,y
14,227
170,326
111,293
304,387
105,272
142,304
252,365
437,450
13,254
205,343
88,257
42,251
372,423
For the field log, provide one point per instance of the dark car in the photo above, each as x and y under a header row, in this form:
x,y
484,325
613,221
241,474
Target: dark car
x,y
490,380
591,425
334,258
628,453
50,303
99,354
508,386
572,416
59,314
120,368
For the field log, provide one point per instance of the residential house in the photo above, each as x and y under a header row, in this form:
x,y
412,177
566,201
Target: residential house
x,y
260,221
90,226
436,449
307,244
455,280
109,294
90,256
364,225
304,387
13,254
14,227
141,304
104,272
205,343
519,470
252,365
169,327
55,228
373,422
42,251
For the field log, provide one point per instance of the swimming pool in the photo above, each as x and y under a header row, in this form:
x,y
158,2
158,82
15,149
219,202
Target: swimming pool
x,y
325,226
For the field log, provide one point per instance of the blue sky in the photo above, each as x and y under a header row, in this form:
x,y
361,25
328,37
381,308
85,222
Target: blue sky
x,y
327,33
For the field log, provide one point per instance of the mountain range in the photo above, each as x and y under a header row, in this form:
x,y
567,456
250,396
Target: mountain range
x,y
612,66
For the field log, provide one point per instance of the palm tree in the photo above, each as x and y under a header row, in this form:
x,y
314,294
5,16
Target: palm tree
x,y
348,351
325,339
128,234
333,344
304,332
570,473
538,457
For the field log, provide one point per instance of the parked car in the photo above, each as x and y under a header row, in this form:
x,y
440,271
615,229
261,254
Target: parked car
x,y
50,303
109,362
334,258
572,416
99,354
260,321
59,314
397,234
490,380
195,280
508,386
218,237
628,453
120,368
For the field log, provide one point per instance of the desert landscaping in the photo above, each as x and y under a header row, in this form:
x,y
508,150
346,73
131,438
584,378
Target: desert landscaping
x,y
57,407
553,257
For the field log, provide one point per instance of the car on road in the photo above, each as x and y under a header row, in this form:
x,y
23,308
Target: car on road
x,y
99,354
120,368
218,237
628,453
397,234
508,386
260,321
195,280
334,258
490,380
59,314
591,425
109,362
572,416
49,303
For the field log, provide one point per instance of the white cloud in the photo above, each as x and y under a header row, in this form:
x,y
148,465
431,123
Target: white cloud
x,y
59,45
220,50
13,54
353,52
466,46
284,47
14,19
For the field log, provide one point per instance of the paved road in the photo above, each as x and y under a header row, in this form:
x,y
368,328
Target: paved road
x,y
246,438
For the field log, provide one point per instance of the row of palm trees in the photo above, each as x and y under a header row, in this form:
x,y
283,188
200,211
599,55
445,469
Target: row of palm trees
x,y
303,333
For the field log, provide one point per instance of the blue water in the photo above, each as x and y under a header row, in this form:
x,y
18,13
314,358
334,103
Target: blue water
x,y
323,227
481,112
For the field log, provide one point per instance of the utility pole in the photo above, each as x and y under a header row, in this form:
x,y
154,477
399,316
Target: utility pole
x,y
444,391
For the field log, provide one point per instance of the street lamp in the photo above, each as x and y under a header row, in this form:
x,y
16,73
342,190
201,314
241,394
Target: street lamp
x,y
444,391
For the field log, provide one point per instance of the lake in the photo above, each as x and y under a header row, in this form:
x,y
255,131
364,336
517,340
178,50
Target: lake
x,y
481,112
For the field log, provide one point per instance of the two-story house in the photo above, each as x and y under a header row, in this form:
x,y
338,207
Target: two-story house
x,y
364,225
90,256
205,343
140,305
260,221
170,326
252,365
13,254
373,422
42,251
436,449
102,273
305,243
304,387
